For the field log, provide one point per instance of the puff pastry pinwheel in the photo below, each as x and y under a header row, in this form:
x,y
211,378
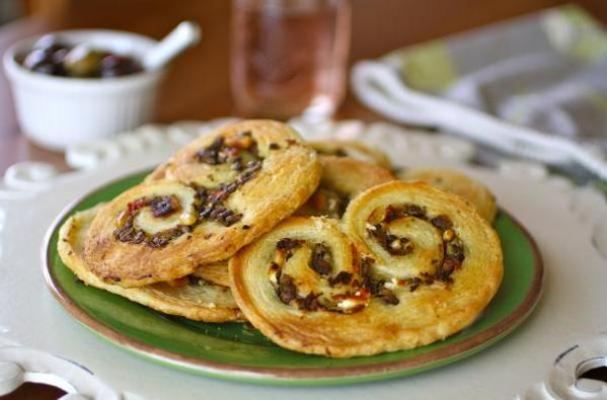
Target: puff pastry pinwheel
x,y
214,196
458,183
342,178
410,265
353,149
190,297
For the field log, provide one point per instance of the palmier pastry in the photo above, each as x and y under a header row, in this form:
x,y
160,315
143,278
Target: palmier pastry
x,y
342,178
353,149
458,183
423,266
192,298
214,196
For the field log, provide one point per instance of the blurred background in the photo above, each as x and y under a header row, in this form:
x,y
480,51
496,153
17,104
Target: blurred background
x,y
198,85
203,72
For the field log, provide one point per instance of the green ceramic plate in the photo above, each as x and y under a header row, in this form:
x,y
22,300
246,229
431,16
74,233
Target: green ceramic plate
x,y
238,352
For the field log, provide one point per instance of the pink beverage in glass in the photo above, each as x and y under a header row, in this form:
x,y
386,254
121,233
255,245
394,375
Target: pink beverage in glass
x,y
289,57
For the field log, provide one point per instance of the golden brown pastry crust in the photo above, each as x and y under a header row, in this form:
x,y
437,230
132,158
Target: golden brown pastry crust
x,y
353,149
216,273
350,176
381,314
459,184
196,300
275,175
342,179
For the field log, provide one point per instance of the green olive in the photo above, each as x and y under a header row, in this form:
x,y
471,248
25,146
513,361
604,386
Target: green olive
x,y
83,62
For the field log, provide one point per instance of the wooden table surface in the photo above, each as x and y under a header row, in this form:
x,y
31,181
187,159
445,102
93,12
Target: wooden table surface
x,y
198,84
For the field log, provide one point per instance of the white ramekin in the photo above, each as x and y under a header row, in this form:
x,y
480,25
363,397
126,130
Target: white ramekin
x,y
55,112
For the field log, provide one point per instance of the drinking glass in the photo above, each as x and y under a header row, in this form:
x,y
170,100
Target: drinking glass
x,y
289,57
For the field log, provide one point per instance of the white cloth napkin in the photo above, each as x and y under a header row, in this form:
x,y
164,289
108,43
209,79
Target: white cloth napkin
x,y
534,87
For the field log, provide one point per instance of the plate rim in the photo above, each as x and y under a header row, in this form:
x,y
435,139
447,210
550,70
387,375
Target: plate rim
x,y
292,376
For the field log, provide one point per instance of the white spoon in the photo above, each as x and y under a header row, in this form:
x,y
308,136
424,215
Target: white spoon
x,y
186,34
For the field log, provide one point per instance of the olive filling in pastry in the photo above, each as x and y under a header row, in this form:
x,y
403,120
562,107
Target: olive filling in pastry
x,y
304,275
239,154
419,257
450,254
157,219
163,219
342,178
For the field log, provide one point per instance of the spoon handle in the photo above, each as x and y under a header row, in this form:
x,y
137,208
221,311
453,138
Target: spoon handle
x,y
186,34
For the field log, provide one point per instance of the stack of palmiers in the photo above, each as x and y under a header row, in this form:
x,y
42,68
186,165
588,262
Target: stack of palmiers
x,y
315,244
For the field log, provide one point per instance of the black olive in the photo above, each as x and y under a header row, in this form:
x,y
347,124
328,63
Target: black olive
x,y
58,56
50,69
83,62
35,58
115,65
